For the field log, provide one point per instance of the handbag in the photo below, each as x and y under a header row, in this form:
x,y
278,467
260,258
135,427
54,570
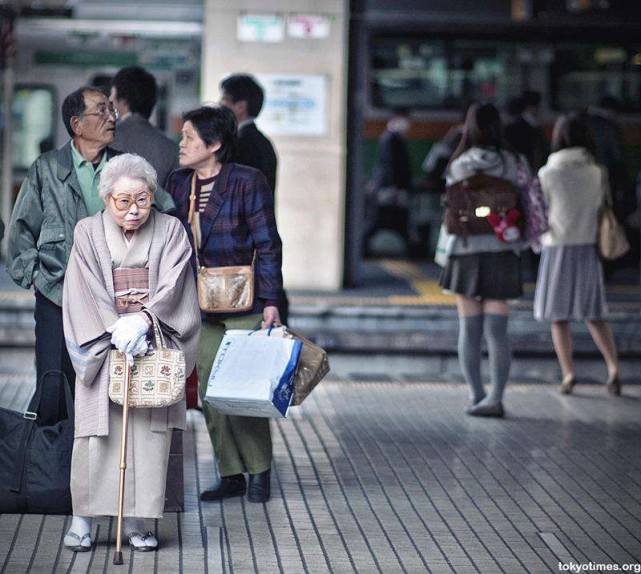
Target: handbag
x,y
469,202
534,206
611,240
157,378
227,289
35,459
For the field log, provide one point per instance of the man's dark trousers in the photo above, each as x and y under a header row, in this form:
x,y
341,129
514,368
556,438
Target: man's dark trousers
x,y
52,360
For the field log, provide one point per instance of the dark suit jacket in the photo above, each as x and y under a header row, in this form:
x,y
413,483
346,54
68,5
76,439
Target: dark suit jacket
x,y
393,163
238,219
528,140
254,149
134,134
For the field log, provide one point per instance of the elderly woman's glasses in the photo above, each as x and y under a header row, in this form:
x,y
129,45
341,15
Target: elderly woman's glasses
x,y
124,202
103,111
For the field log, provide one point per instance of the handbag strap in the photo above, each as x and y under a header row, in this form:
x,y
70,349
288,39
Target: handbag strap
x,y
159,338
31,416
194,222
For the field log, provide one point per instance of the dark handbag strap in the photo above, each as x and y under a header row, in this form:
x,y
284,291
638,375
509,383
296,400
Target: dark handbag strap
x,y
31,415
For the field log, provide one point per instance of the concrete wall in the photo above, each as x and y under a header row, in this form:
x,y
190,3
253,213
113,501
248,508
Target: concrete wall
x,y
311,170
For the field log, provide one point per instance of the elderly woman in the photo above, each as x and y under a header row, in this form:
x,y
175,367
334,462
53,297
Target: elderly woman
x,y
235,209
128,263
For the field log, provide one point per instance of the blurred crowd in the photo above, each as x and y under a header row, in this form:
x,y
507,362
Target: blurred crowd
x,y
398,200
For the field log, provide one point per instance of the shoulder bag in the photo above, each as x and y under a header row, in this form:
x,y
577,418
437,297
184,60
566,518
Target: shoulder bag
x,y
611,240
220,289
157,378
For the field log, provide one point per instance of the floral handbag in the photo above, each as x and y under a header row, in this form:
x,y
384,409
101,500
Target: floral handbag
x,y
157,378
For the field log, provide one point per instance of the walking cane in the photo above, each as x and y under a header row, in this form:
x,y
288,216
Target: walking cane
x,y
123,465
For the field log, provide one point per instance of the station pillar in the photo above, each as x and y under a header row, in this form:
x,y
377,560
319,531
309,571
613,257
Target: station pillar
x,y
297,49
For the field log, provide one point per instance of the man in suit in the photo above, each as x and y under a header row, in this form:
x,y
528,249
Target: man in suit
x,y
524,133
244,96
134,95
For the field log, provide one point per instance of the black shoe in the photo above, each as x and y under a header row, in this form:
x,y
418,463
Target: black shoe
x,y
259,487
488,409
228,487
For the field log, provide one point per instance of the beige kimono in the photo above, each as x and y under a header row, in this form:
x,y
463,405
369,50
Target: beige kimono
x,y
89,307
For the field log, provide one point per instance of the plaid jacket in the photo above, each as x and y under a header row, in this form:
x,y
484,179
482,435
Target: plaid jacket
x,y
238,218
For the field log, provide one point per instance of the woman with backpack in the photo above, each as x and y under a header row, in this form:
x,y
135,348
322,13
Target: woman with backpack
x,y
483,270
570,281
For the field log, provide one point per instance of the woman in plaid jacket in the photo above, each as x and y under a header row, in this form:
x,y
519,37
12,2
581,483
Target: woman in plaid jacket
x,y
236,210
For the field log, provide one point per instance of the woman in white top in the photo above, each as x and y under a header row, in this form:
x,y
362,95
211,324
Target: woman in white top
x,y
570,282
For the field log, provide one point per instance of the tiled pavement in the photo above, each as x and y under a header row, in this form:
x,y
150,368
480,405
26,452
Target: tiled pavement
x,y
392,477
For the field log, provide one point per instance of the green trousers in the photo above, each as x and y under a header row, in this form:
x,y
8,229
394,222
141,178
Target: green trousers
x,y
241,444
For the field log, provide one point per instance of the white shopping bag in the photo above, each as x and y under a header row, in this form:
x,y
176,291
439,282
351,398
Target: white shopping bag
x,y
253,375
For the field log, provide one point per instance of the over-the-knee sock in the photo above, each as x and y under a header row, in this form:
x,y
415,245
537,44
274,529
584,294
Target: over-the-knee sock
x,y
469,353
499,352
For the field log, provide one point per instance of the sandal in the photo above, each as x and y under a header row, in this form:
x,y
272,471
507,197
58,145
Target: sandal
x,y
77,543
143,542
567,385
613,385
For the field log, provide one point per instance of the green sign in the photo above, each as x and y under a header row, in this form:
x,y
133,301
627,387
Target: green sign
x,y
84,59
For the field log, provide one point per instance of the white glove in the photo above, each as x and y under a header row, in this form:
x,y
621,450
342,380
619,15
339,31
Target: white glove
x,y
136,349
127,331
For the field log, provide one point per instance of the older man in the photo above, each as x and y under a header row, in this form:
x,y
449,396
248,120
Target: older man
x,y
61,188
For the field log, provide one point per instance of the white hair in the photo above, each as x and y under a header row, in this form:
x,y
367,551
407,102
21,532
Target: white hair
x,y
126,165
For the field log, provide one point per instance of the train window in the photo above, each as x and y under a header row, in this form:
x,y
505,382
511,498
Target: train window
x,y
33,123
443,73
583,75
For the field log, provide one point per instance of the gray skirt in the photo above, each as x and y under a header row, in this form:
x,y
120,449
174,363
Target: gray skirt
x,y
570,284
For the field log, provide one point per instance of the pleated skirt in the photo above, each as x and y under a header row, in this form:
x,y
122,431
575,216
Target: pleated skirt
x,y
570,284
95,468
485,275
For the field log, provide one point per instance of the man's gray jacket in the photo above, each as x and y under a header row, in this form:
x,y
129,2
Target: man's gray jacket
x,y
48,207
134,134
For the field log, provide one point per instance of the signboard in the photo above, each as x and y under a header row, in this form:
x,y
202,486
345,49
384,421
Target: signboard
x,y
308,26
294,105
260,28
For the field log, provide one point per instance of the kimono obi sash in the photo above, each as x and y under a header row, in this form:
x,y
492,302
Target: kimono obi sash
x,y
131,288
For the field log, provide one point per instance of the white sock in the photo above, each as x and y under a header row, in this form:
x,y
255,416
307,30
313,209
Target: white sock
x,y
80,525
131,524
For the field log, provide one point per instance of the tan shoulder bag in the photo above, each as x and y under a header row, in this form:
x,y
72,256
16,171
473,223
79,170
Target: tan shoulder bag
x,y
611,240
220,289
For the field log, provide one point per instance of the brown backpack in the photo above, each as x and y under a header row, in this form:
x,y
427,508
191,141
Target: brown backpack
x,y
470,201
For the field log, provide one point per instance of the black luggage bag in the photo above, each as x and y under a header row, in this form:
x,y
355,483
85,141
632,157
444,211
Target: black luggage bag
x,y
35,458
